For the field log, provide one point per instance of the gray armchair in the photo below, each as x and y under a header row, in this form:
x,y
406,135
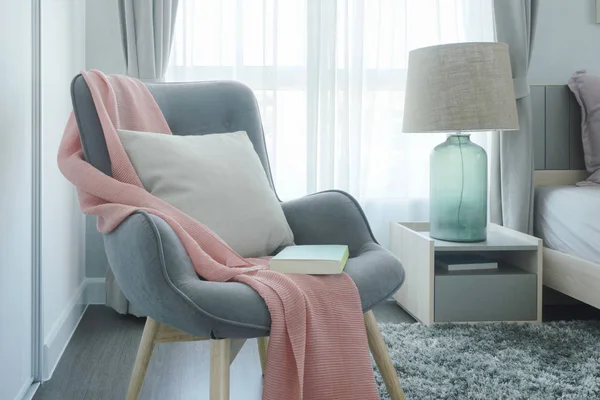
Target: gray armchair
x,y
155,273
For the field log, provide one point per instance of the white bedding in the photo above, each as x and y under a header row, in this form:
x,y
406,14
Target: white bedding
x,y
567,218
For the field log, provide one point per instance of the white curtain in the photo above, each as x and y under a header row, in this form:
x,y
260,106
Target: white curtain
x,y
329,76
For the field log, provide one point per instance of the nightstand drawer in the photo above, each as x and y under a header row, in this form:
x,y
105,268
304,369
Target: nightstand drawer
x,y
506,294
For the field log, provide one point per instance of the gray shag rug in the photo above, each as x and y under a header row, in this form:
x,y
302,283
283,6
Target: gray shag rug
x,y
557,360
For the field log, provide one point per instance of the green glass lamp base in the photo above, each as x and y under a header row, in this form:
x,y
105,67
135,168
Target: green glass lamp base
x,y
458,191
456,233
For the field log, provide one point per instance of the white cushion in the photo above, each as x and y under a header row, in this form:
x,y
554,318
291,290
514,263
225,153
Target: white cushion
x,y
216,179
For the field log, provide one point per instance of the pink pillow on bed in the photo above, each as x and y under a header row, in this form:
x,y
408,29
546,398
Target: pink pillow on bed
x,y
586,88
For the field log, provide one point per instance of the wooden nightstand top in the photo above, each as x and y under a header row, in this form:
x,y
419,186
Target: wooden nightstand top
x,y
499,238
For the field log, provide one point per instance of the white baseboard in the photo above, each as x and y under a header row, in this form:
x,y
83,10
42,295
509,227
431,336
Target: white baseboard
x,y
28,391
57,340
91,291
95,291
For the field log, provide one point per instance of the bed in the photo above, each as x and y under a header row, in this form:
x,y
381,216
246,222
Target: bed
x,y
566,216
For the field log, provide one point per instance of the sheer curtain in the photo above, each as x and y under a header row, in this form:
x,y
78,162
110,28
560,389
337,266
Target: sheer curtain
x,y
329,76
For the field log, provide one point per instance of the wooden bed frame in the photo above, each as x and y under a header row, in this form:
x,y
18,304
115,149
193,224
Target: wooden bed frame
x,y
563,272
558,155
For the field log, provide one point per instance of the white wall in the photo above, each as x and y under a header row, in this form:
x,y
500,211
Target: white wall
x,y
63,232
15,198
567,39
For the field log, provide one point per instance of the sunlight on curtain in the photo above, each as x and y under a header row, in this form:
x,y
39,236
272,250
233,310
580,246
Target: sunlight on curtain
x,y
329,77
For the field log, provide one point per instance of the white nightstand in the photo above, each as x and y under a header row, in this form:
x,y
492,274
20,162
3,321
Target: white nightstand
x,y
512,293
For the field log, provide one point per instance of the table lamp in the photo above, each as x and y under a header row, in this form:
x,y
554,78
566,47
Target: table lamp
x,y
459,88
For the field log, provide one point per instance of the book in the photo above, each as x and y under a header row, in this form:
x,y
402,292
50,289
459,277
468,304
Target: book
x,y
465,262
311,259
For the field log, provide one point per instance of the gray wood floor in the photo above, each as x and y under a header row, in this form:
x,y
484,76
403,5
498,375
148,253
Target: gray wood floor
x,y
97,363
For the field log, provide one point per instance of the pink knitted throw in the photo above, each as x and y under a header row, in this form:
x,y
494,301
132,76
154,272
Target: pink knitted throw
x,y
318,346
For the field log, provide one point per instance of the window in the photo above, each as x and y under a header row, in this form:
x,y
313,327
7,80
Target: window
x,y
329,77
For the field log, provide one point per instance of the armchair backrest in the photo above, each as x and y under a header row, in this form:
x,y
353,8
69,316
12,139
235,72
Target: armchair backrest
x,y
194,108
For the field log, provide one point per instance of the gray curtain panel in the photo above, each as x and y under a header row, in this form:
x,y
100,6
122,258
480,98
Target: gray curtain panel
x,y
147,34
511,189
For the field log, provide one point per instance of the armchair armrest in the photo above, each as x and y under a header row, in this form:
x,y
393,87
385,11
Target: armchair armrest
x,y
329,217
155,273
335,217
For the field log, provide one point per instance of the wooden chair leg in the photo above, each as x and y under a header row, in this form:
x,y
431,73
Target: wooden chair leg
x,y
220,353
263,343
382,358
143,359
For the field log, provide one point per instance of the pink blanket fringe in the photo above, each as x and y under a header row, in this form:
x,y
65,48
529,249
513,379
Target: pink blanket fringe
x,y
318,346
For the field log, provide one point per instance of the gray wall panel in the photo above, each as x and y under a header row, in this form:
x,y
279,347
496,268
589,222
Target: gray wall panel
x,y
576,160
538,103
557,127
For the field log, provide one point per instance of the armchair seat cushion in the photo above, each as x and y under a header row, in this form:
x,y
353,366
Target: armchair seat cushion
x,y
217,309
376,279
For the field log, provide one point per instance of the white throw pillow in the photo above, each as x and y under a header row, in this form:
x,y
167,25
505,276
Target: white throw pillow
x,y
216,179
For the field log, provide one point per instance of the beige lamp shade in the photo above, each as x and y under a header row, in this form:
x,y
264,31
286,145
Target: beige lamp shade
x,y
460,87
